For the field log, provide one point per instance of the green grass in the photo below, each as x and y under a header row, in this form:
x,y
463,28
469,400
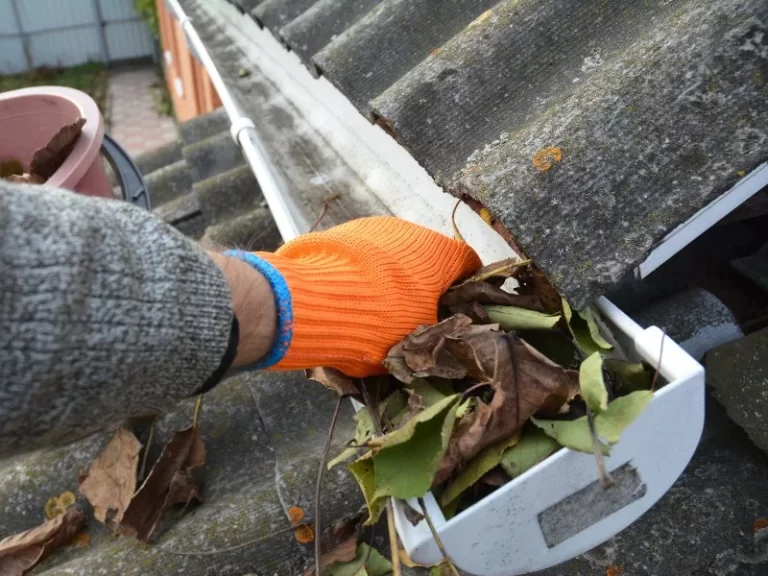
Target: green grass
x,y
91,78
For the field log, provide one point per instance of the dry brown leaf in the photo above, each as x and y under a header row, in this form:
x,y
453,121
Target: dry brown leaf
x,y
486,293
21,552
413,516
339,544
422,353
510,267
333,380
171,481
49,158
524,382
534,283
495,478
110,482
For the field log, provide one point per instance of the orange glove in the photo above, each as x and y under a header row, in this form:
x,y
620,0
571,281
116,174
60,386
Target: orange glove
x,y
345,296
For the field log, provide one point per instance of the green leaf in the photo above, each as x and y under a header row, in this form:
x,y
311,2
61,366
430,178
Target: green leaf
x,y
632,376
533,447
465,406
346,454
406,464
428,393
363,433
478,467
441,570
591,383
362,470
594,331
377,565
391,405
574,434
390,409
514,318
584,329
450,509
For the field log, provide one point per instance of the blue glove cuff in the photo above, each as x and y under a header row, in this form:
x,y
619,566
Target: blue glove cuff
x,y
282,305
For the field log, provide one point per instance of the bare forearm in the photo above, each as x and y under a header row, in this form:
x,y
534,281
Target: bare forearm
x,y
254,306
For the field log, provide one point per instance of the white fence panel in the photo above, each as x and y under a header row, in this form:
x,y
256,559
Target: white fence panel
x,y
112,10
65,48
39,15
7,18
128,40
37,33
12,59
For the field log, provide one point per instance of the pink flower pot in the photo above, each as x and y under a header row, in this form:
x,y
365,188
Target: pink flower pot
x,y
31,116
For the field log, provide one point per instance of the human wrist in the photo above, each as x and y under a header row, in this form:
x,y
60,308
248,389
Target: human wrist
x,y
253,304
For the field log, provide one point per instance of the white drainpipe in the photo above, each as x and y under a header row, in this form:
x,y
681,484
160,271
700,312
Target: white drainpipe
x,y
289,218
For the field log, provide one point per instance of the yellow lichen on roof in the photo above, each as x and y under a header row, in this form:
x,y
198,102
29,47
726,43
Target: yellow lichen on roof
x,y
545,158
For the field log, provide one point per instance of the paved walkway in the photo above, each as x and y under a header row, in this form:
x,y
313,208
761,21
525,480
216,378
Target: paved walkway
x,y
135,123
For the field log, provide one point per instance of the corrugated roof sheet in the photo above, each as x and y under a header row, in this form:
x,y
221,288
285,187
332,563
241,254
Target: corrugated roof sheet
x,y
589,129
321,23
277,13
389,41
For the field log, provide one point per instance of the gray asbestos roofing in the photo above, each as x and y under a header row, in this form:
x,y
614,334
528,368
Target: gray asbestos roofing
x,y
589,129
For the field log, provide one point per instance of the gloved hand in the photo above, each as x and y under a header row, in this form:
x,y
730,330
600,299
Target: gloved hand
x,y
345,296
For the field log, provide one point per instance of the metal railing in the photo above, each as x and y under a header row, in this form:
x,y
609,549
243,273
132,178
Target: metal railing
x,y
289,218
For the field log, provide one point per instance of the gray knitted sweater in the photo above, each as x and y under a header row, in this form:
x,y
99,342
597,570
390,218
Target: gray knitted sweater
x,y
105,312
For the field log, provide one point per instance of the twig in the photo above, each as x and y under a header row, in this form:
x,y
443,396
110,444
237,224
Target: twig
x,y
318,485
606,480
196,415
482,276
322,215
237,546
658,364
144,458
473,388
436,536
456,233
393,548
370,547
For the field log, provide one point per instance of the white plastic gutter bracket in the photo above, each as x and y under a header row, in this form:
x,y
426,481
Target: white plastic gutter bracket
x,y
288,217
238,125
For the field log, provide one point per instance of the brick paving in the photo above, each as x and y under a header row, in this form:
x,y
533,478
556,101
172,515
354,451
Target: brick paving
x,y
134,122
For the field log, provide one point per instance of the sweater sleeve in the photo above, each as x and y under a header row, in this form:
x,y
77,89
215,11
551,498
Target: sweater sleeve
x,y
106,312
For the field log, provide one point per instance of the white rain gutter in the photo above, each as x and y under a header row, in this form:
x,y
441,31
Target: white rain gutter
x,y
289,218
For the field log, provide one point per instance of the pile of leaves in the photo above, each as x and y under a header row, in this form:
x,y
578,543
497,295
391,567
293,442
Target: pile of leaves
x,y
46,160
509,376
